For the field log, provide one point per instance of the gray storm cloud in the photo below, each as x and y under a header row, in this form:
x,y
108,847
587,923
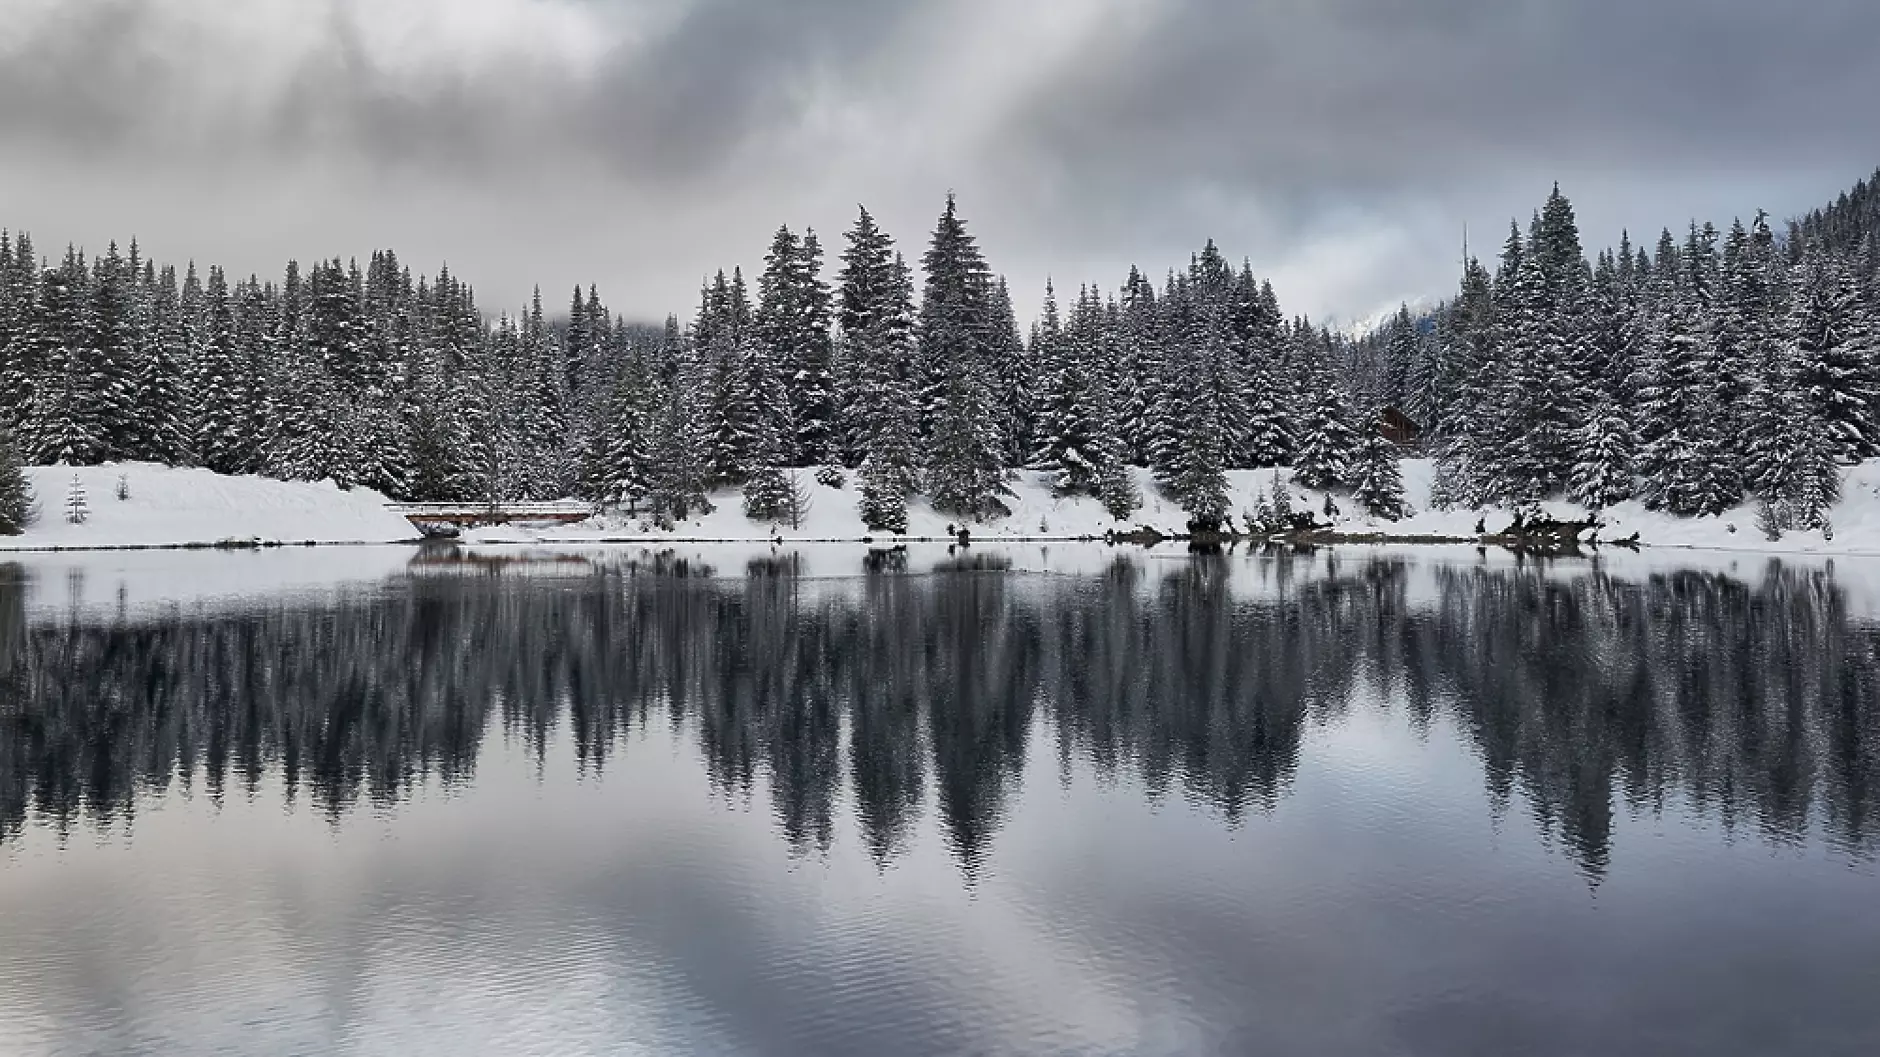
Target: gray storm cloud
x,y
1341,144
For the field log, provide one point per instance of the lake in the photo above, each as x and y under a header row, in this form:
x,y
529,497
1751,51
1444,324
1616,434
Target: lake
x,y
1028,800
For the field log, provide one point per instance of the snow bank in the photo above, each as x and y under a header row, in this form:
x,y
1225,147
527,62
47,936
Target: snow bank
x,y
1038,513
1855,521
170,506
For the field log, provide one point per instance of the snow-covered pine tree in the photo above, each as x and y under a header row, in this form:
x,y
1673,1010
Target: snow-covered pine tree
x,y
1809,478
19,288
1327,442
1602,476
813,409
966,471
1013,374
60,424
1534,396
1681,461
792,334
1282,502
1458,429
769,492
1068,425
868,370
883,502
1834,359
109,366
16,493
1138,366
1199,479
1260,520
1379,481
681,476
627,470
160,430
77,510
1172,385
729,407
220,396
1116,486
880,416
1266,434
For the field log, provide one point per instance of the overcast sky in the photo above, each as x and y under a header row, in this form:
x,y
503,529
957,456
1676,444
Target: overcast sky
x,y
1342,145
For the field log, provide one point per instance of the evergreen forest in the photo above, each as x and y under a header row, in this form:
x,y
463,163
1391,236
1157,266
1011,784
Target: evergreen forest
x,y
1710,367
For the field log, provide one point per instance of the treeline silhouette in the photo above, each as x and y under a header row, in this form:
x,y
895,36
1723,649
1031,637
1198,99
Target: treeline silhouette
x,y
1584,694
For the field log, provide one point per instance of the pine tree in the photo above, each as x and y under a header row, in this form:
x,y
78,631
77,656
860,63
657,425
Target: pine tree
x,y
1603,475
792,333
1834,360
61,423
1681,457
218,383
966,472
1199,482
872,367
1810,479
730,406
1327,443
767,494
16,493
1068,423
77,511
158,429
964,475
627,472
1013,377
1138,366
1116,487
883,503
680,476
108,361
1802,478
1533,397
1379,482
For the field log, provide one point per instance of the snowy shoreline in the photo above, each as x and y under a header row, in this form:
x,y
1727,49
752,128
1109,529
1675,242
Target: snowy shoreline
x,y
173,508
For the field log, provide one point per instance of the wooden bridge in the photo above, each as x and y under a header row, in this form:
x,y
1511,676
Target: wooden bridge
x,y
446,519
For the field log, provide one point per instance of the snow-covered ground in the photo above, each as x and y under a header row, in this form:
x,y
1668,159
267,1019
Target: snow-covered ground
x,y
1039,513
170,505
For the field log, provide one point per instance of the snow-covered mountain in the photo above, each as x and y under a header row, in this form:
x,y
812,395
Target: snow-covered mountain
x,y
1371,324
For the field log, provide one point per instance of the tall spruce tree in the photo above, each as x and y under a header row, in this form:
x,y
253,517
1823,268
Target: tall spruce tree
x,y
966,472
1328,444
1378,480
1835,362
16,493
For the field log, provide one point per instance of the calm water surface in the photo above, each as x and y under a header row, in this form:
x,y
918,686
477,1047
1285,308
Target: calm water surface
x,y
1007,803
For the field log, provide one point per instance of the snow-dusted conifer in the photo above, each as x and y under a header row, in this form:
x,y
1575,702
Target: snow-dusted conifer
x,y
1327,443
1834,361
883,502
680,476
1603,474
16,493
966,471
1378,485
77,511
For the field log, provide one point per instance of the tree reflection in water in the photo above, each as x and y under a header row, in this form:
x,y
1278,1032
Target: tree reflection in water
x,y
1583,693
